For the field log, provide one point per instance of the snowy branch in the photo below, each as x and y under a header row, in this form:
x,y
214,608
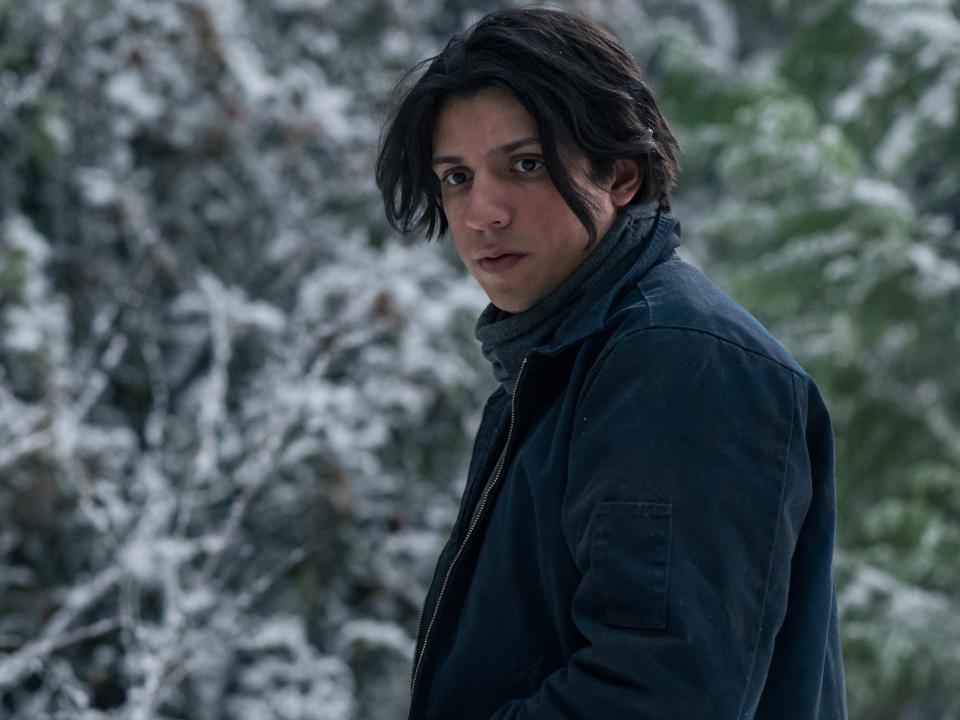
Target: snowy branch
x,y
55,635
31,88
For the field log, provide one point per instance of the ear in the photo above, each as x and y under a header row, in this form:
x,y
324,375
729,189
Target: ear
x,y
624,182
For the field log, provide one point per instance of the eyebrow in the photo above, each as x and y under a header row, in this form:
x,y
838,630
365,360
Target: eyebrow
x,y
502,150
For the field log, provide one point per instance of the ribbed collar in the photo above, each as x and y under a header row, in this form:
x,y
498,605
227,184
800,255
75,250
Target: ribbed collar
x,y
506,338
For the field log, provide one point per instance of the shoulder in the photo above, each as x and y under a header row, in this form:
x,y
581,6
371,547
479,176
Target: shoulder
x,y
674,336
676,308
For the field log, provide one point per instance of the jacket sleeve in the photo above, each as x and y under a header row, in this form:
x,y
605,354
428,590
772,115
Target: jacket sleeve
x,y
688,484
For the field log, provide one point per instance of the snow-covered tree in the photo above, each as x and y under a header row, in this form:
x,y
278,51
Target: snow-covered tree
x,y
235,410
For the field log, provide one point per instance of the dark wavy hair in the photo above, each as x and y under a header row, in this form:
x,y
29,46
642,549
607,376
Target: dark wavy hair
x,y
580,85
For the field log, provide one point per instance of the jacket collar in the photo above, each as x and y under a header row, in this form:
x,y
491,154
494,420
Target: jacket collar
x,y
665,237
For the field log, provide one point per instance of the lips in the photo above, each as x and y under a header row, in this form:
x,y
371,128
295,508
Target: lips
x,y
492,253
499,262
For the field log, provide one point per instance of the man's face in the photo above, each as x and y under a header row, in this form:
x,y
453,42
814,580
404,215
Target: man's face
x,y
499,199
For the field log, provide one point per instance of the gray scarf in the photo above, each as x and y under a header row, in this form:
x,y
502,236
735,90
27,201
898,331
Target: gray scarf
x,y
506,338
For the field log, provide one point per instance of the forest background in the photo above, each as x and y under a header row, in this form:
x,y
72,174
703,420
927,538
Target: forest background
x,y
235,408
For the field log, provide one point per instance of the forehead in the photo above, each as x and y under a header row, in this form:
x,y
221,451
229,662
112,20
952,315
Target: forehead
x,y
483,120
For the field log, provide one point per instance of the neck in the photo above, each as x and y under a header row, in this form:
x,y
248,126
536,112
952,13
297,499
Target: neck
x,y
507,338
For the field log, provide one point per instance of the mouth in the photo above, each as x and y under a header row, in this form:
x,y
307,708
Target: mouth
x,y
500,263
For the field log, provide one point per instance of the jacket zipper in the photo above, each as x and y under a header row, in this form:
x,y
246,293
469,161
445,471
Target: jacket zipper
x,y
476,518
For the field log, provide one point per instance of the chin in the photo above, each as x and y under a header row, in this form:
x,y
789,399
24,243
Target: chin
x,y
511,302
511,307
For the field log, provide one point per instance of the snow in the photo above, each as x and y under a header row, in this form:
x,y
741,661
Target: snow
x,y
301,5
939,102
97,186
908,605
805,249
899,143
938,274
384,636
877,75
396,43
128,90
720,21
240,53
883,194
927,24
20,235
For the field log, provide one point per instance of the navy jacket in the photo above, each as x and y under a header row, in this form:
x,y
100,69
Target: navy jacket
x,y
656,541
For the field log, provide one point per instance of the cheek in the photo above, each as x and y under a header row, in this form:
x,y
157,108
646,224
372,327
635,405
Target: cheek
x,y
452,210
545,198
455,234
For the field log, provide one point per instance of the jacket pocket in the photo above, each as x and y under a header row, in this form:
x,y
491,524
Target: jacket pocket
x,y
630,554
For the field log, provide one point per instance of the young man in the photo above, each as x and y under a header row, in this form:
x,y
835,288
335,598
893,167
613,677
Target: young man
x,y
647,527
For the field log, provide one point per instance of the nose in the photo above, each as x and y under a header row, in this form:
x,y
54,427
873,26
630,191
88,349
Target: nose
x,y
488,206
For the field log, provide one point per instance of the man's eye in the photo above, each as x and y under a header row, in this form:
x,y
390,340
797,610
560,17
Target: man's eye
x,y
457,177
528,165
